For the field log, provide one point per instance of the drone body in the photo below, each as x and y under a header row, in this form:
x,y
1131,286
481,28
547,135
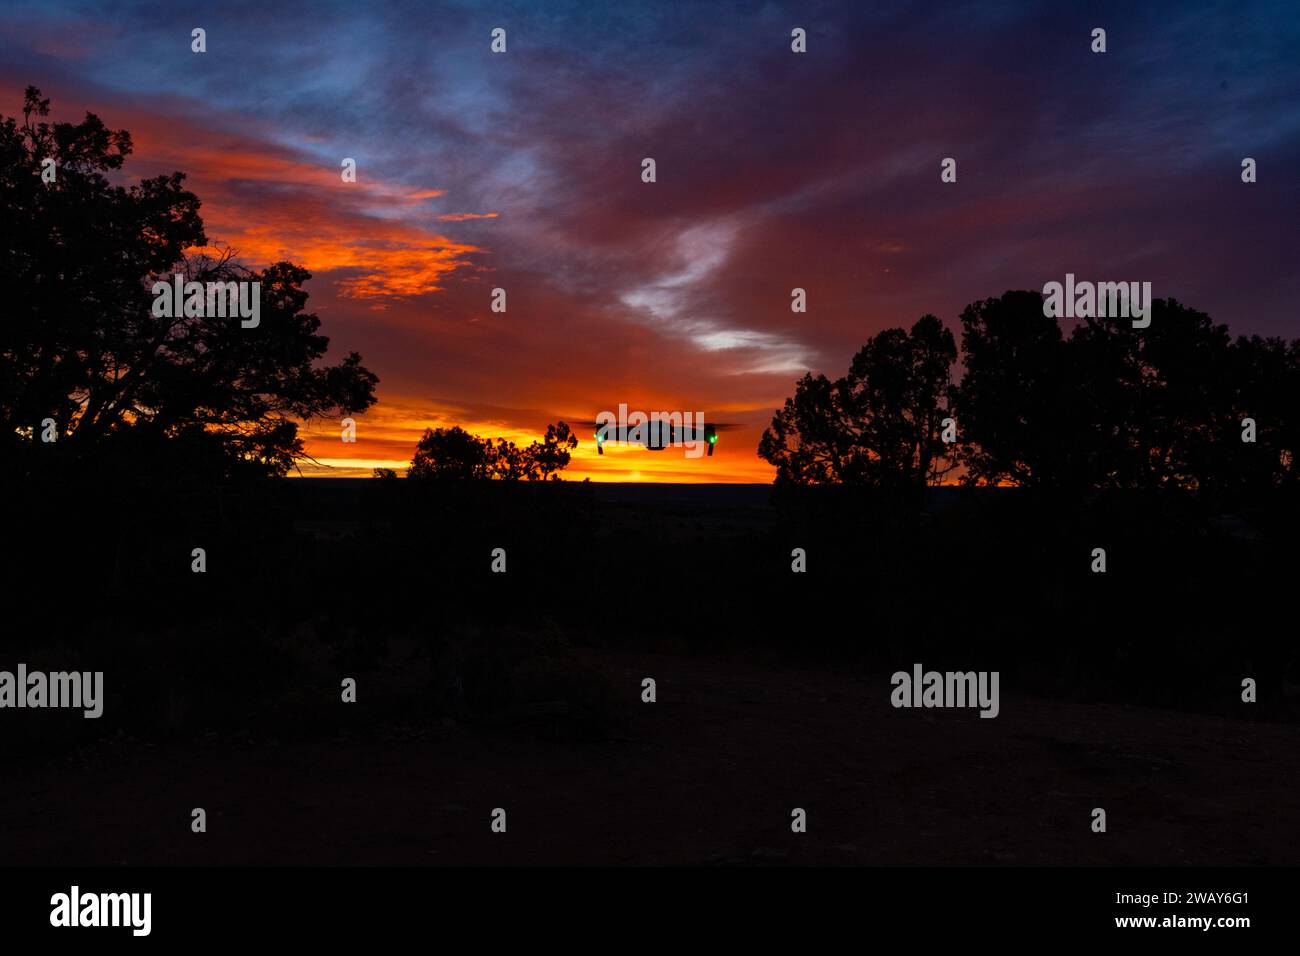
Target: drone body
x,y
657,431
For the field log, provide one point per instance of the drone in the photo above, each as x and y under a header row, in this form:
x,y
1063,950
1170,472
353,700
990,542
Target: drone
x,y
657,431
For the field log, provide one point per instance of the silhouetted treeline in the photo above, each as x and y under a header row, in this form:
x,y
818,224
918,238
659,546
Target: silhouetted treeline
x,y
453,454
1176,405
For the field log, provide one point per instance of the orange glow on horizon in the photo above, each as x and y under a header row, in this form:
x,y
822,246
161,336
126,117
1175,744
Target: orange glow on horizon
x,y
388,433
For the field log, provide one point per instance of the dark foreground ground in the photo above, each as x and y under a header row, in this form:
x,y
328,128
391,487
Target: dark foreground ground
x,y
521,690
707,775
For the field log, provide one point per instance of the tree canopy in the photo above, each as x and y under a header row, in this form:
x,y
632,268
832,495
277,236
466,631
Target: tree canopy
x,y
1176,405
455,454
880,424
80,344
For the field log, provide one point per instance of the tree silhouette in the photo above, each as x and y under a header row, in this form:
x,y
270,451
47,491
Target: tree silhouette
x,y
552,455
880,425
808,440
1162,399
454,453
1267,376
82,346
897,393
1013,404
1108,407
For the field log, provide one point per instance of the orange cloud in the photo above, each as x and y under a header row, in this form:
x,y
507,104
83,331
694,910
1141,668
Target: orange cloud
x,y
268,203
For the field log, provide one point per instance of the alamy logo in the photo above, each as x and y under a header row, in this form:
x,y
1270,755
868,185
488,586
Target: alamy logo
x,y
656,431
76,689
949,689
211,300
103,909
1098,300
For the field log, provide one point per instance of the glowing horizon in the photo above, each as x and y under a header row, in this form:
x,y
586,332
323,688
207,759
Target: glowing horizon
x,y
386,438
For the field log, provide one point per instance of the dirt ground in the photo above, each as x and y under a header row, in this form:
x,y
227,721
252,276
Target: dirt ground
x,y
708,774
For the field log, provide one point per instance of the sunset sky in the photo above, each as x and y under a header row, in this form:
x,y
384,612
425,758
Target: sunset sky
x,y
775,170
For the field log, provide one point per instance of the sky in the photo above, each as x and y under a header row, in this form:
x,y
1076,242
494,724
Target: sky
x,y
775,170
